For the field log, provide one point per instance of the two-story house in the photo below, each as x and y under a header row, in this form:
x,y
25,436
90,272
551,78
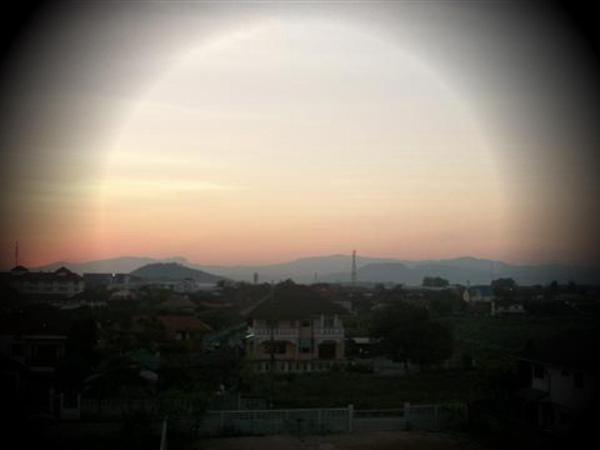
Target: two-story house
x,y
561,381
294,329
60,283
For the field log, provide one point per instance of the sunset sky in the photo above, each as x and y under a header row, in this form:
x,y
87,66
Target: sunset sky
x,y
242,133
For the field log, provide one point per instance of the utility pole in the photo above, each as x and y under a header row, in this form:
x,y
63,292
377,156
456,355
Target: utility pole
x,y
353,275
272,349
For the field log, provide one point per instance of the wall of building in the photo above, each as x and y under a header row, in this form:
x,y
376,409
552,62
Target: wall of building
x,y
571,388
301,339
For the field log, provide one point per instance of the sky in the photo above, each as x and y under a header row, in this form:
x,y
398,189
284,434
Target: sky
x,y
259,132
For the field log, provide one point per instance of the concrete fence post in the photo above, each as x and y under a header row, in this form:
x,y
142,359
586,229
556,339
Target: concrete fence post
x,y
320,420
51,400
163,435
350,417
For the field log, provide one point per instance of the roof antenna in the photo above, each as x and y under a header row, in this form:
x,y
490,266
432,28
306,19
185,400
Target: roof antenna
x,y
16,253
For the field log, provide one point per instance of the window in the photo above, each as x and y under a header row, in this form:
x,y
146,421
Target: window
x,y
306,323
578,380
538,371
328,323
304,346
276,347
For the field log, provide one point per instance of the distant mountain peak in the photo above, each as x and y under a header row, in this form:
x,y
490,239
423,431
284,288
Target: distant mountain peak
x,y
173,271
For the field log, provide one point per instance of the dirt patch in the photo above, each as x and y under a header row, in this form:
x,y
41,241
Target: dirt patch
x,y
405,440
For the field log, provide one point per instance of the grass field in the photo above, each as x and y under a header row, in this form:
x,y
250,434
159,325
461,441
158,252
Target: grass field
x,y
365,391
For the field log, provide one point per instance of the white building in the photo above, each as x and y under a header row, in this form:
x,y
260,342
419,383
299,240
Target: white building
x,y
62,282
476,294
296,330
563,379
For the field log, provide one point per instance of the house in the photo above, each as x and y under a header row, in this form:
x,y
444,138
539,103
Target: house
x,y
474,294
60,283
35,337
123,294
183,328
294,329
503,307
94,280
39,351
561,378
479,300
33,345
180,286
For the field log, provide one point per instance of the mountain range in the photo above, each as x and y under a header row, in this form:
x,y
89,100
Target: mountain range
x,y
337,268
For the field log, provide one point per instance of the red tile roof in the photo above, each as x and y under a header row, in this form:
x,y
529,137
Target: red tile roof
x,y
183,323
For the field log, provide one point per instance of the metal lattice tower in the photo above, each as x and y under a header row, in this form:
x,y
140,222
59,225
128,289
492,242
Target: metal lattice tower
x,y
353,276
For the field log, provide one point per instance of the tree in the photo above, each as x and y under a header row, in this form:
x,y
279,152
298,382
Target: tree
x,y
505,288
435,282
444,302
407,333
152,332
431,344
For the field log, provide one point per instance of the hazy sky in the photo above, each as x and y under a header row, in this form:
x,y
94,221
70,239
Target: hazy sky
x,y
259,132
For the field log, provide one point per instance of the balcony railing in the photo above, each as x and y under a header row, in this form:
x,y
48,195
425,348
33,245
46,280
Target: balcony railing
x,y
295,332
292,332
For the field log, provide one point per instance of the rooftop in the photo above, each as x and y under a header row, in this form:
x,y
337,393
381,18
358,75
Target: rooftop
x,y
575,350
291,301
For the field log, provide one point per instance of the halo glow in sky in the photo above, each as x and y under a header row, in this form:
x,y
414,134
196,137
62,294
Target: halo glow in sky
x,y
292,137
278,134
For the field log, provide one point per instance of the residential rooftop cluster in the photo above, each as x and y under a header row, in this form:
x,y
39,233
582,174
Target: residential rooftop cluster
x,y
80,348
